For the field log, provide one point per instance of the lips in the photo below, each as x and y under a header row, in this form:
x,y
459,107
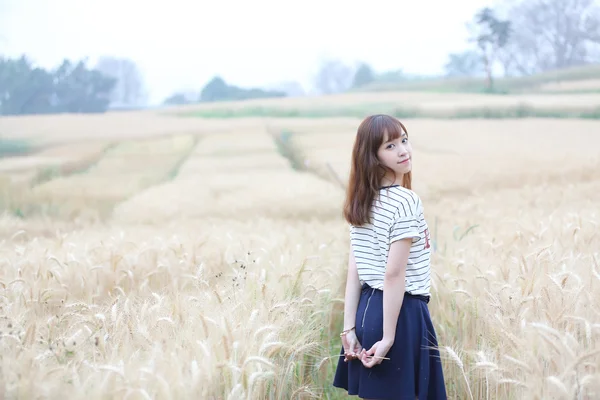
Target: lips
x,y
404,161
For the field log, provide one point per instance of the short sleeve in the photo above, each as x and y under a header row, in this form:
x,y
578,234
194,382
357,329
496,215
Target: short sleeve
x,y
405,227
405,223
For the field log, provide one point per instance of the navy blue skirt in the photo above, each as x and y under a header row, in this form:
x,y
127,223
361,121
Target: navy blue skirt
x,y
414,368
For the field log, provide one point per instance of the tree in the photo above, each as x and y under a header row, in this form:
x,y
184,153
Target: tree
x,y
72,87
467,63
23,88
491,36
80,90
218,90
551,34
180,98
393,76
334,77
129,90
290,88
363,76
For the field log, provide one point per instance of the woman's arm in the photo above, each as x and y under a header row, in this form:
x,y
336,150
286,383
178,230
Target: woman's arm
x,y
394,286
352,295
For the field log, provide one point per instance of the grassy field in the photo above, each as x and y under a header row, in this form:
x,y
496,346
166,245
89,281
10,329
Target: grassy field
x,y
169,257
583,79
407,105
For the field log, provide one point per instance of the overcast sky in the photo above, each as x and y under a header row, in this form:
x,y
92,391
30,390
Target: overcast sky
x,y
181,44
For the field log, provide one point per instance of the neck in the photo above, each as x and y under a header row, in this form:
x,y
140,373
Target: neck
x,y
388,180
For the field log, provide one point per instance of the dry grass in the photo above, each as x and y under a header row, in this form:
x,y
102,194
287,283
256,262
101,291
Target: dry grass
x,y
441,101
88,185
51,157
471,156
568,86
515,296
231,178
413,104
67,129
202,310
226,281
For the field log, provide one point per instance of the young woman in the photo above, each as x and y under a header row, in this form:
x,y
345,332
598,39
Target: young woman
x,y
389,343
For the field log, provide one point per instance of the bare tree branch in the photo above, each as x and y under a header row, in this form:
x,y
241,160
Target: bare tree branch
x,y
549,34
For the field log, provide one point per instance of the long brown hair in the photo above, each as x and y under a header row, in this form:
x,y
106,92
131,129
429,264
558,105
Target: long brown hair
x,y
366,172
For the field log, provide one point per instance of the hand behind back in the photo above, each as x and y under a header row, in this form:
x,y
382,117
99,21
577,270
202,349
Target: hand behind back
x,y
352,346
376,353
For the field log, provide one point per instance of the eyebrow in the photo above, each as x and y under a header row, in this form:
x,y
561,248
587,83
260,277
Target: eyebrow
x,y
403,134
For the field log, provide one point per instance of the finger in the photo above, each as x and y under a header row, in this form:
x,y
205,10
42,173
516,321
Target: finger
x,y
364,356
350,353
348,356
372,350
368,362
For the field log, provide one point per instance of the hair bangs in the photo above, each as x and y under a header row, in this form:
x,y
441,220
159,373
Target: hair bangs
x,y
385,129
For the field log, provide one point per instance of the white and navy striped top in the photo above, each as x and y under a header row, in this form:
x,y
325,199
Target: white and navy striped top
x,y
397,213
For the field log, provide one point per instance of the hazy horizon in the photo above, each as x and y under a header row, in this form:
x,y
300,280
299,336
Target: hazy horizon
x,y
179,46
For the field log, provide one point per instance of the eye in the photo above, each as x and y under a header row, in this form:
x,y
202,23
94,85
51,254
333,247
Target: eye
x,y
389,146
405,140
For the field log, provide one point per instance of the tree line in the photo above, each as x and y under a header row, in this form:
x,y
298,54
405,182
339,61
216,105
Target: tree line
x,y
219,90
112,83
72,87
333,77
520,37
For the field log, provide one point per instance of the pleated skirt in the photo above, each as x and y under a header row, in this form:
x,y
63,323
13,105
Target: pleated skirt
x,y
414,369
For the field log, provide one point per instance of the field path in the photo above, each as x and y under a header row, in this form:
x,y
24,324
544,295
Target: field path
x,y
234,175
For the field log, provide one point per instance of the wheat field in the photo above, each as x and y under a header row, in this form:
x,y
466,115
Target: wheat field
x,y
566,86
176,258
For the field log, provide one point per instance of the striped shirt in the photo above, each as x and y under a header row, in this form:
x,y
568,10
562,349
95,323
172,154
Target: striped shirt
x,y
397,213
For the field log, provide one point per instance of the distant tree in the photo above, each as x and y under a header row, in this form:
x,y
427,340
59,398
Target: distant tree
x,y
551,34
80,90
467,63
129,89
290,88
218,90
363,75
72,87
392,76
177,99
24,89
491,36
334,77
